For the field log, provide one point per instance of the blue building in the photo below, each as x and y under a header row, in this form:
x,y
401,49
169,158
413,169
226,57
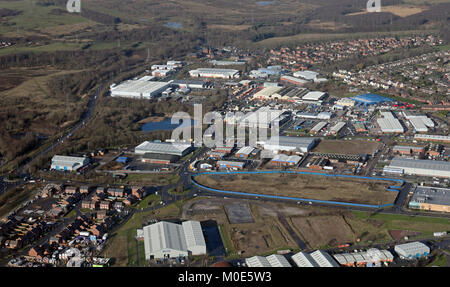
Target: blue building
x,y
371,99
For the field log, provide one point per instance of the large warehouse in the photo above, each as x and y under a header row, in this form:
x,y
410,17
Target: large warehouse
x,y
422,167
412,250
323,259
178,149
214,73
69,163
262,118
274,260
267,93
432,138
142,88
365,258
290,144
170,240
303,259
431,199
389,124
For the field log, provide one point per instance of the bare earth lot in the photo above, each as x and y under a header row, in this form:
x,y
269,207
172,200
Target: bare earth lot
x,y
304,186
354,147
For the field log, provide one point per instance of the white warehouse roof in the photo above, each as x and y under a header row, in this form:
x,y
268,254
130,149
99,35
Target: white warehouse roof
x,y
246,150
412,249
314,96
304,260
323,259
389,124
422,167
285,143
166,238
308,75
257,261
142,88
179,149
277,260
274,260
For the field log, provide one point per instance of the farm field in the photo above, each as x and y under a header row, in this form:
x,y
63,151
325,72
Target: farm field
x,y
354,147
304,186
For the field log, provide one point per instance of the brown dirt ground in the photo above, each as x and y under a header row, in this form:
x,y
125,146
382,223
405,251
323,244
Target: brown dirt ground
x,y
323,230
305,186
355,147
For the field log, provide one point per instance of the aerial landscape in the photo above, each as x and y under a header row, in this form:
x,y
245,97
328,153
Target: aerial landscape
x,y
213,133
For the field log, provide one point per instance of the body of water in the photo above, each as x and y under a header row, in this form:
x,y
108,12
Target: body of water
x,y
264,3
175,25
166,125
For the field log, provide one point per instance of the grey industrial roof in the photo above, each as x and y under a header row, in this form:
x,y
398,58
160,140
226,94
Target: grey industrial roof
x,y
420,163
181,237
412,248
292,141
139,86
432,195
303,259
156,147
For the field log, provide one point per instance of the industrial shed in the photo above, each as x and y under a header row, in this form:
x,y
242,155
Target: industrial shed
x,y
274,260
412,250
431,198
214,73
323,259
257,261
244,152
432,138
285,160
170,240
290,144
69,163
277,260
303,259
139,89
422,167
178,149
231,164
389,124
157,158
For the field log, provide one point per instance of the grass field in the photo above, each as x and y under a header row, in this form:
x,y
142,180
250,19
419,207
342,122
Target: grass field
x,y
148,201
304,186
355,147
426,225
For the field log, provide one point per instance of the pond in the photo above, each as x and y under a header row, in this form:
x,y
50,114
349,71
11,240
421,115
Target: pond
x,y
165,125
175,25
264,3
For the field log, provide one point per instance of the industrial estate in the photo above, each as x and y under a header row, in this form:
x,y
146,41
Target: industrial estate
x,y
350,166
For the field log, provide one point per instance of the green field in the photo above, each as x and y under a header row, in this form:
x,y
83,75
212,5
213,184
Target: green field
x,y
426,225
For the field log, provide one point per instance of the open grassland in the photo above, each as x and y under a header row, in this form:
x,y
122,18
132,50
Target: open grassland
x,y
355,147
304,186
425,225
